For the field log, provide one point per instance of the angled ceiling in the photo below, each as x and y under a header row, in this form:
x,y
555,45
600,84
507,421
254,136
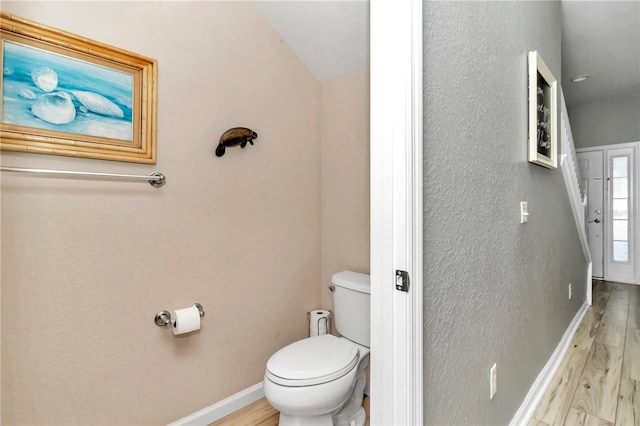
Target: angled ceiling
x,y
330,37
599,38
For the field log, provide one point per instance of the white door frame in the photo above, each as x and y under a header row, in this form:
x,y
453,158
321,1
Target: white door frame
x,y
636,202
614,272
396,211
586,215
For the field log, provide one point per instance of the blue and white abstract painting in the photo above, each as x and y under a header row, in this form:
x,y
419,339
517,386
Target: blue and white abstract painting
x,y
45,90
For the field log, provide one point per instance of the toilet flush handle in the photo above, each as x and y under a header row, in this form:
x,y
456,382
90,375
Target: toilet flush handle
x,y
332,288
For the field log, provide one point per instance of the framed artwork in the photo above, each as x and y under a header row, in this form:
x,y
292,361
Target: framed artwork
x,y
543,114
63,94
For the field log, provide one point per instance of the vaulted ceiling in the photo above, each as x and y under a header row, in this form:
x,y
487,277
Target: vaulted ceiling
x,y
330,37
599,38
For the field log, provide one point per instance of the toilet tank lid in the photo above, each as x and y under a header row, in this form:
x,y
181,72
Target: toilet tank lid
x,y
352,280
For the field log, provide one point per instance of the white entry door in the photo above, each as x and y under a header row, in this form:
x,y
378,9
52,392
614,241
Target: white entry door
x,y
591,172
620,223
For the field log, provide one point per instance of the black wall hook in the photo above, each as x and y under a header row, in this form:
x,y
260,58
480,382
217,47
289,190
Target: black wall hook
x,y
233,137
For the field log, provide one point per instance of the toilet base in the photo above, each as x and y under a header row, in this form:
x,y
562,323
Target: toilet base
x,y
358,419
286,420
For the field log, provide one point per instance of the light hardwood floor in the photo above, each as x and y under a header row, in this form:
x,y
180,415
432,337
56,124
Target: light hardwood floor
x,y
598,382
262,414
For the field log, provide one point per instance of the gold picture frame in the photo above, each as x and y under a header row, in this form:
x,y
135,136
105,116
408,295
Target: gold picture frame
x,y
543,114
63,94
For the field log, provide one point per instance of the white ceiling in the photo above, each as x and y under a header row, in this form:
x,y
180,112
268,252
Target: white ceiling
x,y
330,37
599,38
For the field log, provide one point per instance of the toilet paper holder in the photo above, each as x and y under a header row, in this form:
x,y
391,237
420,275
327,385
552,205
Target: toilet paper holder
x,y
163,318
326,320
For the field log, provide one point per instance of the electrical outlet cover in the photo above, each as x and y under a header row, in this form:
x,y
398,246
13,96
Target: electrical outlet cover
x,y
570,291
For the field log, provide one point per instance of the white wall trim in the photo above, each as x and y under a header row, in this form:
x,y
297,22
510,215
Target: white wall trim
x,y
590,283
539,387
222,408
417,227
619,271
396,211
570,173
636,193
607,147
579,218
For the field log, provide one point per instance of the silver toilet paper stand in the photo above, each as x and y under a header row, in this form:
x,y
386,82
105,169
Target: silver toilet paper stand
x,y
327,322
163,318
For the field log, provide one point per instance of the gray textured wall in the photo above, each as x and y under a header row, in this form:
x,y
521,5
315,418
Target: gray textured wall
x,y
606,122
495,290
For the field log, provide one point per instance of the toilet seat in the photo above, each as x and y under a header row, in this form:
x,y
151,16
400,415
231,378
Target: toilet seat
x,y
312,361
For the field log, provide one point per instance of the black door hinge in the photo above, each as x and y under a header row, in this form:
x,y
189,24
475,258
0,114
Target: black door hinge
x,y
402,280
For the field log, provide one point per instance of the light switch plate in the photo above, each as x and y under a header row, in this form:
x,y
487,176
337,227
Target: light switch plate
x,y
524,212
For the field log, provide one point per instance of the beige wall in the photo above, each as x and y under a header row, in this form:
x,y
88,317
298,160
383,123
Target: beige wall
x,y
87,264
345,177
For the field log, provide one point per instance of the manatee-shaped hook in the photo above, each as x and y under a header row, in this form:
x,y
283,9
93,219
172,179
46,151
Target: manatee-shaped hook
x,y
236,136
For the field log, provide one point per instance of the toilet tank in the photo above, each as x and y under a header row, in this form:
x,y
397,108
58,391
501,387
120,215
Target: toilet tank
x,y
351,306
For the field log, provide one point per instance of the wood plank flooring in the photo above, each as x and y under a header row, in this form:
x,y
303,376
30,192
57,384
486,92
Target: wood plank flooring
x,y
598,382
260,413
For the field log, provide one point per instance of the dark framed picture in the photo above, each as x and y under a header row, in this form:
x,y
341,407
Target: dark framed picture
x,y
543,114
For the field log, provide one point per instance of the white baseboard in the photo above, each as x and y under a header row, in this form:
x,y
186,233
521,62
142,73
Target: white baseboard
x,y
539,387
222,408
590,284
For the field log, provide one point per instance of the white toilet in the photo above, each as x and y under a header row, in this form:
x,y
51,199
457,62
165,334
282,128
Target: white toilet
x,y
321,380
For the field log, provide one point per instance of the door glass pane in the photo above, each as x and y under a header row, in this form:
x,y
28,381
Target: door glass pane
x,y
620,251
619,213
620,230
620,209
619,166
620,188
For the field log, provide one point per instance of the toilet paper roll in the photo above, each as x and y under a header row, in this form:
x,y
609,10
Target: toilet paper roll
x,y
185,320
319,322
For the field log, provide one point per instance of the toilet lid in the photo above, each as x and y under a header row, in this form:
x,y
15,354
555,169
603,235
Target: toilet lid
x,y
312,361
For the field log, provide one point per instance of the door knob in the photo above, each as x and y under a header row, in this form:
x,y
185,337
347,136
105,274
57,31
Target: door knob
x,y
596,221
